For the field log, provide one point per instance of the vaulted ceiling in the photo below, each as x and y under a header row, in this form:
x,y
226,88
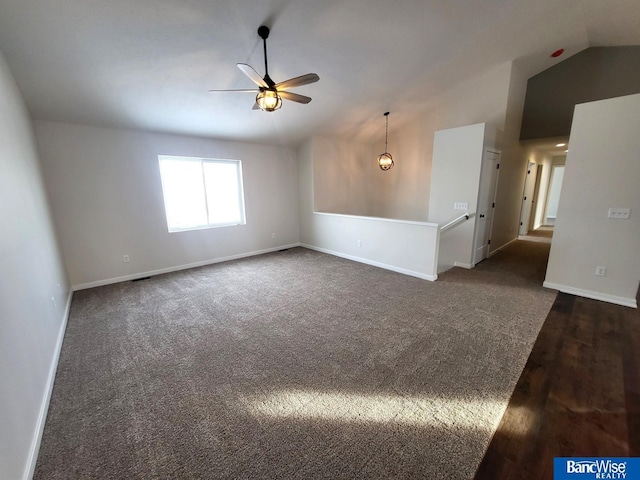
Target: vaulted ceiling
x,y
149,64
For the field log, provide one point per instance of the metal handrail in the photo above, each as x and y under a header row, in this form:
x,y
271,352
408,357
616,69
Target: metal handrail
x,y
455,221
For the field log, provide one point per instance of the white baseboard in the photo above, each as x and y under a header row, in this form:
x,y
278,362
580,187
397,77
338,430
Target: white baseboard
x,y
493,252
366,261
605,297
176,268
468,266
44,407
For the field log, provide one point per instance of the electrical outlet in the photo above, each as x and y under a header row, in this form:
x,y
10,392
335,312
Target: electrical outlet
x,y
461,206
125,258
359,243
53,300
273,235
601,271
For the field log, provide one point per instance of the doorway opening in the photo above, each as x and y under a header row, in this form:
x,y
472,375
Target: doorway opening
x,y
543,184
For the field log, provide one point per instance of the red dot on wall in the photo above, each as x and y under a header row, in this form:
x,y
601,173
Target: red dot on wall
x,y
557,53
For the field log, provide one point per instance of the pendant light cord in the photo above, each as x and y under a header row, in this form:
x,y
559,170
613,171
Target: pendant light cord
x,y
386,131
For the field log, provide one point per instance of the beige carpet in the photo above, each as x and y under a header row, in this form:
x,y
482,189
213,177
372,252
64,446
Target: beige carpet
x,y
295,364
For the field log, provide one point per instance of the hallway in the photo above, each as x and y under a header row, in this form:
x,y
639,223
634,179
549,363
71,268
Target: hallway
x,y
542,234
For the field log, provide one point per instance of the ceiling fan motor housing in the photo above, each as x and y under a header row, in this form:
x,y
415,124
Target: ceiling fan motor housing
x,y
263,32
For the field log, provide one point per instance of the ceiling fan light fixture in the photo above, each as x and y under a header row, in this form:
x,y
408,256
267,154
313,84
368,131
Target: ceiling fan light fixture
x,y
385,160
269,93
269,100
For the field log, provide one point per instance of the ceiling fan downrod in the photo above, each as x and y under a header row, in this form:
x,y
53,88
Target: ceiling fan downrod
x,y
269,93
263,33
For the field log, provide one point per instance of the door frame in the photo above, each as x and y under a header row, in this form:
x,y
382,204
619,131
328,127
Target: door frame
x,y
528,191
536,197
492,198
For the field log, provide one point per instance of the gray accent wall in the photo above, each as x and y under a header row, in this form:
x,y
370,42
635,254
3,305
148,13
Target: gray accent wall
x,y
594,74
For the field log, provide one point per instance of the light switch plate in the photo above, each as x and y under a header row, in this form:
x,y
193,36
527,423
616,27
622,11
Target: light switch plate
x,y
461,206
619,213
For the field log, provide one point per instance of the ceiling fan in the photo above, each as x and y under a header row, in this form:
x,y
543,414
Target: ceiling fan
x,y
270,94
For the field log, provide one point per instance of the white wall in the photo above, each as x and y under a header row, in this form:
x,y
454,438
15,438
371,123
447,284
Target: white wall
x,y
403,246
351,183
602,171
403,191
513,166
455,177
106,198
497,99
348,180
32,278
342,174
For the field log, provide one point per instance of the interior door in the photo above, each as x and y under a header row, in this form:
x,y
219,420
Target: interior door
x,y
486,204
527,199
533,220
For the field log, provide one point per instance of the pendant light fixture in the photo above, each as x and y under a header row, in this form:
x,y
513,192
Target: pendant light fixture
x,y
385,160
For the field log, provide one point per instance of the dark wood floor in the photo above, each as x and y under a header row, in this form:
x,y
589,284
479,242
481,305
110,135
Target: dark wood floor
x,y
579,393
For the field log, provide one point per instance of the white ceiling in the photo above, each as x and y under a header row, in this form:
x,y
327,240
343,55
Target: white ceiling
x,y
148,64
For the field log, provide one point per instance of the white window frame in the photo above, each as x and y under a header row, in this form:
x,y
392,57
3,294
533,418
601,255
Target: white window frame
x,y
203,161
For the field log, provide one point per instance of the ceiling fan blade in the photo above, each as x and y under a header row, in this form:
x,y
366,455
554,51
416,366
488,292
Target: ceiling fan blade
x,y
247,90
252,74
298,81
294,97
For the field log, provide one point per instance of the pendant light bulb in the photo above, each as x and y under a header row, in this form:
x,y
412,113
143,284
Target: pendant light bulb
x,y
269,100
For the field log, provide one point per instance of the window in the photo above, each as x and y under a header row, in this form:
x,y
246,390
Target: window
x,y
201,192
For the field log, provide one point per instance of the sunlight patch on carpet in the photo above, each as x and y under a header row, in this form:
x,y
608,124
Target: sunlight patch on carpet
x,y
361,408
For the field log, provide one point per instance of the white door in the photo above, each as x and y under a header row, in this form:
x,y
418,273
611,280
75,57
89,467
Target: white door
x,y
527,199
533,220
486,204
